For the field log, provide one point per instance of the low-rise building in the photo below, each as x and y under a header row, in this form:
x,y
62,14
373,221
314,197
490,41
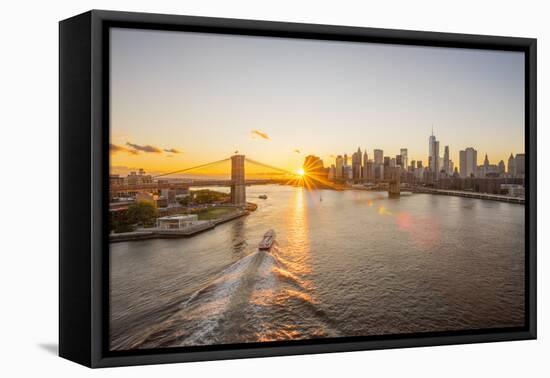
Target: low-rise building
x,y
513,190
153,199
178,222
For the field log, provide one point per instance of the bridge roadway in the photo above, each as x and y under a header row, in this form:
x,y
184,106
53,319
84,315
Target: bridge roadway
x,y
126,188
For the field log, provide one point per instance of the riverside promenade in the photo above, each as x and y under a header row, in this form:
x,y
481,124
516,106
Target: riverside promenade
x,y
459,193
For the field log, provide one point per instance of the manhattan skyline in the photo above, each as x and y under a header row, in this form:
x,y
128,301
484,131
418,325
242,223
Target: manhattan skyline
x,y
179,99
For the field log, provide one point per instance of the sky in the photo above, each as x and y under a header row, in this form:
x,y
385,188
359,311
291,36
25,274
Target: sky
x,y
180,99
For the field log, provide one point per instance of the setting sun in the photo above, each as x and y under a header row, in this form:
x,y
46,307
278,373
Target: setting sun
x,y
300,172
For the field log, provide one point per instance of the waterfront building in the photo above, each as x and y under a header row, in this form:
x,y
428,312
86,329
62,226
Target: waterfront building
x,y
116,180
491,185
178,222
139,178
365,158
468,162
513,190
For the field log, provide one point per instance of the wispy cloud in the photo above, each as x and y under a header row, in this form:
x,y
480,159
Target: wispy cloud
x,y
145,148
172,151
297,151
259,134
116,149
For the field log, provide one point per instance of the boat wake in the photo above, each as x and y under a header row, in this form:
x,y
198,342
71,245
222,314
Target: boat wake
x,y
256,298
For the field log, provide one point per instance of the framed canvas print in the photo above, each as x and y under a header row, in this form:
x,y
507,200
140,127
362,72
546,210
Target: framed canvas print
x,y
234,188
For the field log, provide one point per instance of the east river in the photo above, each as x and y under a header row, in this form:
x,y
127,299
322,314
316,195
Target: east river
x,y
346,263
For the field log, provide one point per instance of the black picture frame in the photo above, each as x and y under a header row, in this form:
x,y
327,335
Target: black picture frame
x,y
84,166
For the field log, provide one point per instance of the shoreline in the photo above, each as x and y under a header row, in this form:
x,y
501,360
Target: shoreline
x,y
144,234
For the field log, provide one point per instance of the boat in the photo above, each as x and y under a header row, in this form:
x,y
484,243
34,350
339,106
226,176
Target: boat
x,y
267,241
262,196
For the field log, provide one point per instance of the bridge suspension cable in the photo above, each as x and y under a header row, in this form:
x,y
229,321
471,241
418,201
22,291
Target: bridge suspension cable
x,y
270,167
192,168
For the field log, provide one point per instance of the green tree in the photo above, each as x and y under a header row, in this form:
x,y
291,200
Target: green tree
x,y
121,225
185,201
143,213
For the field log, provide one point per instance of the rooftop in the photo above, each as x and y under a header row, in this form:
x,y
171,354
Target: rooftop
x,y
179,217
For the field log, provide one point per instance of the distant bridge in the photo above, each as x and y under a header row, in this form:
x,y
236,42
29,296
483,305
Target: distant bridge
x,y
460,193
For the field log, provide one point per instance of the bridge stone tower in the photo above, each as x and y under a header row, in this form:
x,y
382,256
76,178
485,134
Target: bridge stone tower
x,y
394,188
238,189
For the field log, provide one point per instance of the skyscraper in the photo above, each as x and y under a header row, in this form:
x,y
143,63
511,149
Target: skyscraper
x,y
404,158
468,162
313,165
511,166
520,165
433,160
378,157
365,161
501,167
446,161
356,163
339,167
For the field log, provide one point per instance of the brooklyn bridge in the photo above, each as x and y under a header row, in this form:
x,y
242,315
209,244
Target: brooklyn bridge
x,y
237,181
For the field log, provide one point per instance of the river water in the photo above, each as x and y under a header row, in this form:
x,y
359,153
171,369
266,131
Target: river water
x,y
348,263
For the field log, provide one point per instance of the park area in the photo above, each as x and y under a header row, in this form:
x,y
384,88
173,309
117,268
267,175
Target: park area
x,y
213,213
